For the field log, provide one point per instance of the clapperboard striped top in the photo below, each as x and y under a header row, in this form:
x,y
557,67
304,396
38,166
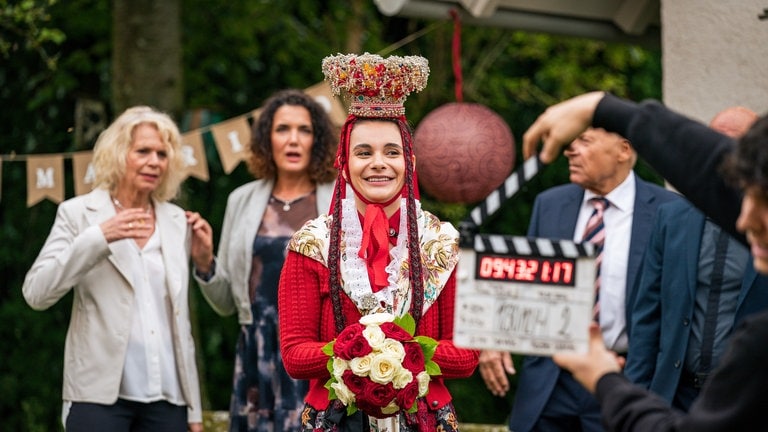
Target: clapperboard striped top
x,y
510,187
518,245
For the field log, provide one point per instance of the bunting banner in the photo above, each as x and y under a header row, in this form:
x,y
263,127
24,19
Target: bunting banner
x,y
45,173
321,93
231,138
194,155
45,178
83,172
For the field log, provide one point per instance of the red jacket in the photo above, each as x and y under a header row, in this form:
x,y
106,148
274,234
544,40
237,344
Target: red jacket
x,y
307,324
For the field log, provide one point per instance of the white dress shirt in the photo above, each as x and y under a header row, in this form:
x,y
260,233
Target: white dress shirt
x,y
149,374
617,220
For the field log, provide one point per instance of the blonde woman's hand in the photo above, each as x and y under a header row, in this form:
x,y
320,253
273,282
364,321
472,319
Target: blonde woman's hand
x,y
132,223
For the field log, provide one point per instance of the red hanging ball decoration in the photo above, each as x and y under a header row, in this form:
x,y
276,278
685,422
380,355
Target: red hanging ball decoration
x,y
463,152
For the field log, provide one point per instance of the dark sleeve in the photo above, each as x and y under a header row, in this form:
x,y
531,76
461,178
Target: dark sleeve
x,y
628,407
685,152
734,398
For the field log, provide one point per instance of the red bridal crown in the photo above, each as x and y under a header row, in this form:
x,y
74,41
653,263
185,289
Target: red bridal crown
x,y
375,86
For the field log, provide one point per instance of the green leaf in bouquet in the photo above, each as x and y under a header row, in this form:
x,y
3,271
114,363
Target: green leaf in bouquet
x,y
328,348
432,368
407,323
331,390
414,407
428,346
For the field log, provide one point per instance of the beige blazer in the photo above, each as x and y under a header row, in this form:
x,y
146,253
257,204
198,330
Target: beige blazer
x,y
227,290
76,256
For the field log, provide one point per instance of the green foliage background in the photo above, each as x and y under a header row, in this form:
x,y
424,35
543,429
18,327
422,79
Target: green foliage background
x,y
236,53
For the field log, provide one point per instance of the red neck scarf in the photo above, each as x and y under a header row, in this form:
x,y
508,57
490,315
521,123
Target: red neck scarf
x,y
374,247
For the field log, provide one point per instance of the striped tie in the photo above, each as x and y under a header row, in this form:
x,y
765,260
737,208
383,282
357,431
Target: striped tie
x,y
595,234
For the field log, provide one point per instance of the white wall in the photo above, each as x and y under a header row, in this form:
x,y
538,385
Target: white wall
x,y
714,55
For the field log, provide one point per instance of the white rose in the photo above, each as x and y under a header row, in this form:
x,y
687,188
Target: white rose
x,y
361,366
402,378
343,392
384,367
339,366
377,318
423,379
394,348
374,336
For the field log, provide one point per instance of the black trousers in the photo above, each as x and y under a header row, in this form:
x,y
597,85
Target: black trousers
x,y
127,416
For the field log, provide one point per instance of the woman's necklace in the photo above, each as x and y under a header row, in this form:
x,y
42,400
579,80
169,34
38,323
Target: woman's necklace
x,y
287,204
147,210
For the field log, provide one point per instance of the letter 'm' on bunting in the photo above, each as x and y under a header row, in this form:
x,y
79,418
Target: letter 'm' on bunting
x,y
45,178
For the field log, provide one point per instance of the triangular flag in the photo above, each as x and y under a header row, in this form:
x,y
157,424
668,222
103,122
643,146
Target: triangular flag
x,y
45,178
232,138
195,162
83,171
321,92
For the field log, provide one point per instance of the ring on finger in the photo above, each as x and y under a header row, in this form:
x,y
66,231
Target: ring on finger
x,y
130,225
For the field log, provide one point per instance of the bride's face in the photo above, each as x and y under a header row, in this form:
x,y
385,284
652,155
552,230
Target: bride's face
x,y
376,160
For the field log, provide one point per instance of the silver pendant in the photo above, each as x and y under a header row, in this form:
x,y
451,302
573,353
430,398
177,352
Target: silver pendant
x,y
286,206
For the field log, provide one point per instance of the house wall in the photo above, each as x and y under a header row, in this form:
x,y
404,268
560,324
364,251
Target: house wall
x,y
714,55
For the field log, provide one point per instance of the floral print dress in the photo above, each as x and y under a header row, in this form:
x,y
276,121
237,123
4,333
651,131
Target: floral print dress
x,y
264,397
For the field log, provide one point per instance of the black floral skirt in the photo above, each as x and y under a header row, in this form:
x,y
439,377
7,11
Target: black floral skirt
x,y
335,419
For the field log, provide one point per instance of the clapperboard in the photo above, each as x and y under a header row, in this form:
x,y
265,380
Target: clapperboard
x,y
519,294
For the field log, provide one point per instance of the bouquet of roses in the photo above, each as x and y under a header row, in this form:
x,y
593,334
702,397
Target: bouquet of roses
x,y
379,367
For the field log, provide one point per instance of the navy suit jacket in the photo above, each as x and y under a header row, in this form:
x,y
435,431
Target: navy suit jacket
x,y
555,212
663,310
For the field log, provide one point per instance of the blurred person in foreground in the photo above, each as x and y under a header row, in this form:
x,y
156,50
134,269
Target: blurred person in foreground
x,y
695,286
728,181
603,182
129,360
376,252
291,157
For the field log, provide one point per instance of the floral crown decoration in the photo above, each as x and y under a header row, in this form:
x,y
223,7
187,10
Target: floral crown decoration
x,y
374,86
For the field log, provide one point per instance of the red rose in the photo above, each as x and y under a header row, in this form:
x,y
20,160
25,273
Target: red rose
x,y
408,394
414,358
379,395
374,397
355,383
351,343
370,409
394,331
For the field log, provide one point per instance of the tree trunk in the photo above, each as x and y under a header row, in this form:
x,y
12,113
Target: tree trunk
x,y
146,56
